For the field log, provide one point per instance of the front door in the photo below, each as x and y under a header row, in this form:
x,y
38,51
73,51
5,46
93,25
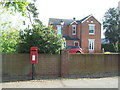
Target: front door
x,y
91,45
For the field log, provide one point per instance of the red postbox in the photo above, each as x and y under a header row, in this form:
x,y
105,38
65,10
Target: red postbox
x,y
33,55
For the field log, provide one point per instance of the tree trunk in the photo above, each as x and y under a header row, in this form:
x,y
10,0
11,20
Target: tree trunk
x,y
115,45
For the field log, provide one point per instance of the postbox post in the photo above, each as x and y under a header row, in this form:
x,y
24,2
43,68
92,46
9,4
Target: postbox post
x,y
33,71
33,59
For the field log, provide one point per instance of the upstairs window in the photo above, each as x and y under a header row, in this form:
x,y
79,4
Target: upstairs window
x,y
73,29
91,28
59,30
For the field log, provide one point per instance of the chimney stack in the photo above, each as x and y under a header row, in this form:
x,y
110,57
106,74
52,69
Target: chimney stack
x,y
74,18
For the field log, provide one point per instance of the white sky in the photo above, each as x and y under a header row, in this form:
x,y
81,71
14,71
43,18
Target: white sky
x,y
67,9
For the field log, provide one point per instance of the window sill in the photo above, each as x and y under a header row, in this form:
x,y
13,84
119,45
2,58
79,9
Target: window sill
x,y
91,34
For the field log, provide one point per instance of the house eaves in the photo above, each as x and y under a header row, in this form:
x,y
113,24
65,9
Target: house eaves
x,y
73,22
70,38
56,21
86,18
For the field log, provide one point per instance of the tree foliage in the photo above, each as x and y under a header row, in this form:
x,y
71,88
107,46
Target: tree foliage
x,y
9,41
26,8
17,6
111,25
42,37
32,9
9,32
108,47
38,35
22,7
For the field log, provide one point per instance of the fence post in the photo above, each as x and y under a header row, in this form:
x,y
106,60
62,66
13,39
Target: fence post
x,y
64,63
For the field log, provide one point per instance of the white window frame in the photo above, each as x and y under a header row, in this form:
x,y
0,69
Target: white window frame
x,y
75,42
93,27
73,26
92,43
58,29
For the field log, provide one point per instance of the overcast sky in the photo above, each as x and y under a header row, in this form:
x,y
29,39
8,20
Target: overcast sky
x,y
67,9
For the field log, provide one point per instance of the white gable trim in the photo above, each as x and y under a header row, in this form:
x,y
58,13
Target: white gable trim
x,y
74,22
86,18
89,17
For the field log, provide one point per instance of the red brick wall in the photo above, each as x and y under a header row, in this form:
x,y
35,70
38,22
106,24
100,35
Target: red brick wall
x,y
55,27
18,67
64,63
93,65
65,30
86,36
70,30
70,42
48,65
78,31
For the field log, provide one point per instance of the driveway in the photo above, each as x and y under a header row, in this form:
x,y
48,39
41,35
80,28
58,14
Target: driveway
x,y
110,82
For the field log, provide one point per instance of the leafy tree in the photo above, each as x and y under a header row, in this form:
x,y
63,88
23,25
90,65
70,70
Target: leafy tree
x,y
17,6
111,25
9,20
25,8
39,35
42,37
22,7
9,41
9,33
32,11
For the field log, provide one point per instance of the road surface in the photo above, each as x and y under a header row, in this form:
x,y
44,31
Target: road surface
x,y
110,82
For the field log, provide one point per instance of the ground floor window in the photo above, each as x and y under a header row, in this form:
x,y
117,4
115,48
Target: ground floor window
x,y
76,43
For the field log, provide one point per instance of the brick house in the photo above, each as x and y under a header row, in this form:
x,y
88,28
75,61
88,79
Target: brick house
x,y
85,33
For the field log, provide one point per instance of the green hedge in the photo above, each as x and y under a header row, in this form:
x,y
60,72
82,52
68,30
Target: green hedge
x,y
109,47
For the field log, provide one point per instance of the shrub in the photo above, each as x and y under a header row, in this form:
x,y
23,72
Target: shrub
x,y
109,47
42,37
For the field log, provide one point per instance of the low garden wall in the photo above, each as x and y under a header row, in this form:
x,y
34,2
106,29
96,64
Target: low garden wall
x,y
93,65
18,67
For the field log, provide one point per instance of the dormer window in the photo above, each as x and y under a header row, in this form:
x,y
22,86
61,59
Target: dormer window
x,y
73,29
91,29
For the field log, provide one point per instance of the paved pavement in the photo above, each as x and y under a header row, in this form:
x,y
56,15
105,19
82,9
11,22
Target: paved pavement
x,y
110,82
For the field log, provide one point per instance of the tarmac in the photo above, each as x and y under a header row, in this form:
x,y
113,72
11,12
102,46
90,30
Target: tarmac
x,y
109,82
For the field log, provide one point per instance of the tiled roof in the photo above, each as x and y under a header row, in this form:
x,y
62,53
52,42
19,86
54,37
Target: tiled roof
x,y
79,21
70,38
103,40
56,21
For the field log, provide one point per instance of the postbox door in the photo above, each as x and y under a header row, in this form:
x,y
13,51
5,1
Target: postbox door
x,y
34,58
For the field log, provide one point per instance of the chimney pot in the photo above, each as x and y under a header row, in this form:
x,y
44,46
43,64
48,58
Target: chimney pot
x,y
73,18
